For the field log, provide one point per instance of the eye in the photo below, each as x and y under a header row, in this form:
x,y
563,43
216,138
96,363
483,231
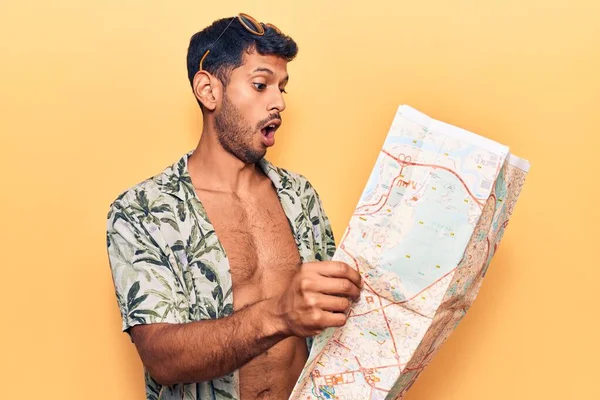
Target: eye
x,y
282,90
259,86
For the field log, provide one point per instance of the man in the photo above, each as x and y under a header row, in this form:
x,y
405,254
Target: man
x,y
221,263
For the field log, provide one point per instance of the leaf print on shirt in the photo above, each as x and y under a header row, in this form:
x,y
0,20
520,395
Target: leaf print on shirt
x,y
133,303
169,266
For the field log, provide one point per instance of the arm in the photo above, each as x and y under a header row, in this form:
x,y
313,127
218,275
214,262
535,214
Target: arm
x,y
318,297
153,305
173,350
201,351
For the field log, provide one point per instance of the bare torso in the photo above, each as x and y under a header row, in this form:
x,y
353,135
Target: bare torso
x,y
263,257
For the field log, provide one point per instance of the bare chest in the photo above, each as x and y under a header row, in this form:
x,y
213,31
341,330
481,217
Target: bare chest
x,y
259,244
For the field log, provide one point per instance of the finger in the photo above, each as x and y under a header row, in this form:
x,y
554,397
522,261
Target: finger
x,y
337,287
332,303
329,319
338,269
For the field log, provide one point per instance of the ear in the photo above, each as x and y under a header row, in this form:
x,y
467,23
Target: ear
x,y
207,89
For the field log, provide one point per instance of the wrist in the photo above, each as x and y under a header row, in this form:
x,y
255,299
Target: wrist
x,y
272,319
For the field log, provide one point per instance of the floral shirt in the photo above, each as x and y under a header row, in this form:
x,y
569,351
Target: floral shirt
x,y
168,265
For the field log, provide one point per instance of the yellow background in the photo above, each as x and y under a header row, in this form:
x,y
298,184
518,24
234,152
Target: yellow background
x,y
94,98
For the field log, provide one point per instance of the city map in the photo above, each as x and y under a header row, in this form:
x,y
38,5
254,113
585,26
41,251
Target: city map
x,y
422,236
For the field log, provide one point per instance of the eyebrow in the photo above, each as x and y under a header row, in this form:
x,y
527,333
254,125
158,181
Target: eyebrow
x,y
268,71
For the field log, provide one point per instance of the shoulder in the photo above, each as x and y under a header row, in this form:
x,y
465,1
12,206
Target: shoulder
x,y
140,194
153,193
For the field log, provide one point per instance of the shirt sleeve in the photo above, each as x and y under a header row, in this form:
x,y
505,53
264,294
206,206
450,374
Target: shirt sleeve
x,y
321,225
147,287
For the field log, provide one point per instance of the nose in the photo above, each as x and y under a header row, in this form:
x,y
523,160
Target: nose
x,y
276,102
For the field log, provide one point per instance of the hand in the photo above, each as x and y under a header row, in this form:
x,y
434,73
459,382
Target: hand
x,y
318,297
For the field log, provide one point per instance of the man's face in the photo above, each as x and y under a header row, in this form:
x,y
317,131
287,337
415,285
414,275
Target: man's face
x,y
249,114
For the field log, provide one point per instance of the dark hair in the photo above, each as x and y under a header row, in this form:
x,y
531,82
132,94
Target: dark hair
x,y
227,53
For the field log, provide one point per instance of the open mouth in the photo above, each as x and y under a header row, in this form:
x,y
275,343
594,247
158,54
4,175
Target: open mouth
x,y
269,130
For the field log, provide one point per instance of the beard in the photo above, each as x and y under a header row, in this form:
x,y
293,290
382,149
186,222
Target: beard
x,y
235,133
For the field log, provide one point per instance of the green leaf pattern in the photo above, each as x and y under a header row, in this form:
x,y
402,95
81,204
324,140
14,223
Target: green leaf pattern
x,y
168,265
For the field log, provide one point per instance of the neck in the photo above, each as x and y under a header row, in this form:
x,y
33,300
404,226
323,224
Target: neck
x,y
213,168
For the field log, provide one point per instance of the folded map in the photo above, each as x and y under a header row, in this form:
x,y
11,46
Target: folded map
x,y
422,236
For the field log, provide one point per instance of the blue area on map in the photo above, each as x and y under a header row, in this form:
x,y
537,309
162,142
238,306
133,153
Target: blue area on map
x,y
448,230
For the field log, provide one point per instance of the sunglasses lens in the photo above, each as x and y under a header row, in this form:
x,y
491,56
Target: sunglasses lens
x,y
276,29
251,24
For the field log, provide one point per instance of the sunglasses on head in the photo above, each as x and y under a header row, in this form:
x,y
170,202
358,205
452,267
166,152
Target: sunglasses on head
x,y
251,25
